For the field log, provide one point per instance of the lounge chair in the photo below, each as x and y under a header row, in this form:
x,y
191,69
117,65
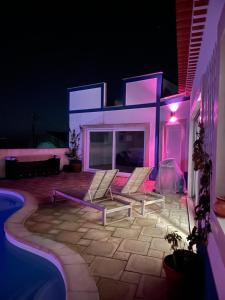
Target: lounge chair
x,y
136,197
98,196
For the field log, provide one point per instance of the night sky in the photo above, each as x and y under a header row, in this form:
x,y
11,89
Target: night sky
x,y
43,53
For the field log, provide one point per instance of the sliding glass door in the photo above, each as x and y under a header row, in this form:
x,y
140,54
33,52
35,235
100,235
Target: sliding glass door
x,y
120,149
100,150
129,150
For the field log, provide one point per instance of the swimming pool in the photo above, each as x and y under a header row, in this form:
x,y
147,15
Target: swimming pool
x,y
23,275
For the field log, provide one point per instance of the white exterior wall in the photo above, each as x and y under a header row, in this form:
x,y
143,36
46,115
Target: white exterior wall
x,y
207,82
182,115
135,118
31,152
90,98
208,43
141,92
86,98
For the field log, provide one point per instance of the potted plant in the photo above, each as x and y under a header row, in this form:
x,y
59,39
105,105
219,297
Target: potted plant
x,y
75,164
184,268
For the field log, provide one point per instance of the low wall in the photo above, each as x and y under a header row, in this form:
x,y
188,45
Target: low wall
x,y
31,152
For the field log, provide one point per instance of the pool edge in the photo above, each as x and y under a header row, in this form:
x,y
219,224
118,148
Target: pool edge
x,y
78,282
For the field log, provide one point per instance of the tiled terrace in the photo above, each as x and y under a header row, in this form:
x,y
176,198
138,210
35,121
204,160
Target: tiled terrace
x,y
125,258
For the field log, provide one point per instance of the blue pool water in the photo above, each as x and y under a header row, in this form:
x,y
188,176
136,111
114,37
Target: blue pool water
x,y
23,275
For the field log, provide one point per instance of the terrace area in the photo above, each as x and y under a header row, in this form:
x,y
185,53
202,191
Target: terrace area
x,y
125,258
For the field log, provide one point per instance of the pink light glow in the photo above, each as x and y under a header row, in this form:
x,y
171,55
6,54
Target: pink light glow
x,y
173,119
174,107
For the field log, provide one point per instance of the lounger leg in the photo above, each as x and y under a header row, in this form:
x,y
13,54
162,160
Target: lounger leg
x,y
53,198
143,209
130,212
104,217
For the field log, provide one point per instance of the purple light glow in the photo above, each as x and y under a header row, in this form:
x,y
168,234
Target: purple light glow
x,y
173,119
174,107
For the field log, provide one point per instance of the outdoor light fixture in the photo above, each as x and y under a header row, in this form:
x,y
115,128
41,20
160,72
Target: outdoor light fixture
x,y
173,108
173,118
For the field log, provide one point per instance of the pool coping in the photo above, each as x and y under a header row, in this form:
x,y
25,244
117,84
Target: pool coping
x,y
78,282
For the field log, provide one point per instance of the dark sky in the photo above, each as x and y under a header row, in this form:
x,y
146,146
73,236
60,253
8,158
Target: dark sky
x,y
44,53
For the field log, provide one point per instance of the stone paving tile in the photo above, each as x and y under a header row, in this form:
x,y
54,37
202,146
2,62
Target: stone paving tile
x,y
116,290
135,227
114,240
107,267
53,231
77,248
81,229
69,237
91,216
71,226
126,233
153,232
100,248
84,242
83,295
110,228
151,287
56,214
68,217
121,255
164,213
55,221
88,258
144,264
161,225
95,234
134,246
43,218
130,277
46,211
30,223
80,226
92,225
41,227
123,223
145,221
78,284
155,253
75,210
145,238
87,209
160,244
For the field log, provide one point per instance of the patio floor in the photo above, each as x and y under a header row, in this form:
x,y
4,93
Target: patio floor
x,y
125,258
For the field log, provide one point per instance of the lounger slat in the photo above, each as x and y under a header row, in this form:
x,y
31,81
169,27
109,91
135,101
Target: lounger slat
x,y
131,190
98,192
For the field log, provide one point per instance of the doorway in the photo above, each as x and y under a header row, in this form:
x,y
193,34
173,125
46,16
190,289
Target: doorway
x,y
118,148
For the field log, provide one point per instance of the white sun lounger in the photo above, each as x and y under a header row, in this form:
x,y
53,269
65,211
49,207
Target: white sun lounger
x,y
145,198
97,195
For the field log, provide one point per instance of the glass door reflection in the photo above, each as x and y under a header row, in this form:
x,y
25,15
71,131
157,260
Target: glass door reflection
x,y
100,150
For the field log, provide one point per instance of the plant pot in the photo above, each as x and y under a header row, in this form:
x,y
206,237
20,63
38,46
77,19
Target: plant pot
x,y
76,166
219,206
174,279
181,283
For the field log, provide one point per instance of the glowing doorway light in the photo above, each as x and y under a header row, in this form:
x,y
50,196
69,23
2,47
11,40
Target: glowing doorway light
x,y
173,118
174,107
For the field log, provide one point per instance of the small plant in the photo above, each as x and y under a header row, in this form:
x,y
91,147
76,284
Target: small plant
x,y
174,239
202,163
74,141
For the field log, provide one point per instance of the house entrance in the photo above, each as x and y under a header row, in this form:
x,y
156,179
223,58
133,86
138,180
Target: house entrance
x,y
116,148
